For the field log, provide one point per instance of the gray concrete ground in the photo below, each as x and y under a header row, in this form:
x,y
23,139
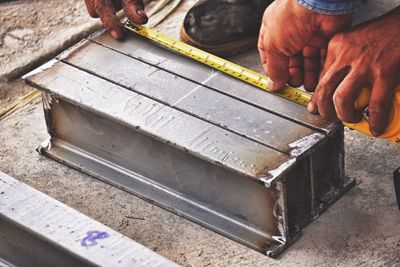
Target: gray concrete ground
x,y
31,31
361,229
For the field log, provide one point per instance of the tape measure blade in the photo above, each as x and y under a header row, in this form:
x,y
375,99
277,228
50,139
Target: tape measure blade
x,y
251,77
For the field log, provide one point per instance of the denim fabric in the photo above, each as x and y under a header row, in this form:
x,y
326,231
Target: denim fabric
x,y
333,7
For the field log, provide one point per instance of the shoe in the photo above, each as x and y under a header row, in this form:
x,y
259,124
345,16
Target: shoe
x,y
224,27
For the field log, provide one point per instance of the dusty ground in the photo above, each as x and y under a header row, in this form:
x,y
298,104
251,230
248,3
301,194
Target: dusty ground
x,y
361,229
32,30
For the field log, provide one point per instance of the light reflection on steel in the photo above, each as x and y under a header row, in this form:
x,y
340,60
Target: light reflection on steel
x,y
37,230
240,161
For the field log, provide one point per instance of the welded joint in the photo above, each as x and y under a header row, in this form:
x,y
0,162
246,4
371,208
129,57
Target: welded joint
x,y
48,100
279,211
304,144
273,175
44,146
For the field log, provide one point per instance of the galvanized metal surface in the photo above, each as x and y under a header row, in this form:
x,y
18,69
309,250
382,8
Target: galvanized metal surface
x,y
139,48
36,230
233,158
189,97
158,120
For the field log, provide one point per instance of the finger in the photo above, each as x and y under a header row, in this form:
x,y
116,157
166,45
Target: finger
x,y
296,70
328,62
134,10
312,107
90,8
379,105
312,67
326,88
346,95
277,66
323,53
260,46
107,14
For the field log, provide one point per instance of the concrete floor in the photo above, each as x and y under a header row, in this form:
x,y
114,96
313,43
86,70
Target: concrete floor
x,y
42,30
361,229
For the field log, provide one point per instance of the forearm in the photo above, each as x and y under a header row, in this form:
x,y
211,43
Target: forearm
x,y
332,7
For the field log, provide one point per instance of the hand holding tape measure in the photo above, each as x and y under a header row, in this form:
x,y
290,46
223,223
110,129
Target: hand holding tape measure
x,y
298,96
393,128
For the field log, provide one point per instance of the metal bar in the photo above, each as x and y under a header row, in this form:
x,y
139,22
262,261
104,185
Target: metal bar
x,y
139,48
159,121
195,142
191,97
36,230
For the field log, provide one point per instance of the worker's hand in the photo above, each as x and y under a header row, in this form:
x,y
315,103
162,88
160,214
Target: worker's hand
x,y
293,42
368,56
107,9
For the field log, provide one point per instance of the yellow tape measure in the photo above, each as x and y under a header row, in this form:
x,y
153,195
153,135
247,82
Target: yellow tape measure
x,y
261,81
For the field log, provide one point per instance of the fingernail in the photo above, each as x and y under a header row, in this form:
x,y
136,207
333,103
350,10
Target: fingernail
x,y
271,85
141,13
115,34
311,107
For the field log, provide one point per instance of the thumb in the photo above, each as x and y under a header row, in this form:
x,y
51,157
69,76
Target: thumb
x,y
134,10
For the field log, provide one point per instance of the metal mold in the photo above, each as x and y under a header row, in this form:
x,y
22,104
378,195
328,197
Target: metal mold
x,y
240,161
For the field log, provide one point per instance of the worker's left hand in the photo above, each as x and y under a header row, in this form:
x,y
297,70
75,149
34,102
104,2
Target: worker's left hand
x,y
106,10
368,56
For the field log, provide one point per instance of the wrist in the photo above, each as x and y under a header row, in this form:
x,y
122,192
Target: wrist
x,y
332,7
388,23
327,23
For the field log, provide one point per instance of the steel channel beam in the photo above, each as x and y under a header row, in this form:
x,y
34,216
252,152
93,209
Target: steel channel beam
x,y
242,162
189,97
37,230
139,48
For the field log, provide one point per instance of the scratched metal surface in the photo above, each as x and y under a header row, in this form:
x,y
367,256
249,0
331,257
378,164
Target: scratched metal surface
x,y
155,171
131,141
36,230
210,142
233,158
139,48
219,109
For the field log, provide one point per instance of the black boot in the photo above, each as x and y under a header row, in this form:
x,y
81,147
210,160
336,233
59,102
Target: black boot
x,y
224,27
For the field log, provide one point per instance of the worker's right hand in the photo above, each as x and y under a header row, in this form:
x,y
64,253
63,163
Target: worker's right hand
x,y
107,9
365,57
293,42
